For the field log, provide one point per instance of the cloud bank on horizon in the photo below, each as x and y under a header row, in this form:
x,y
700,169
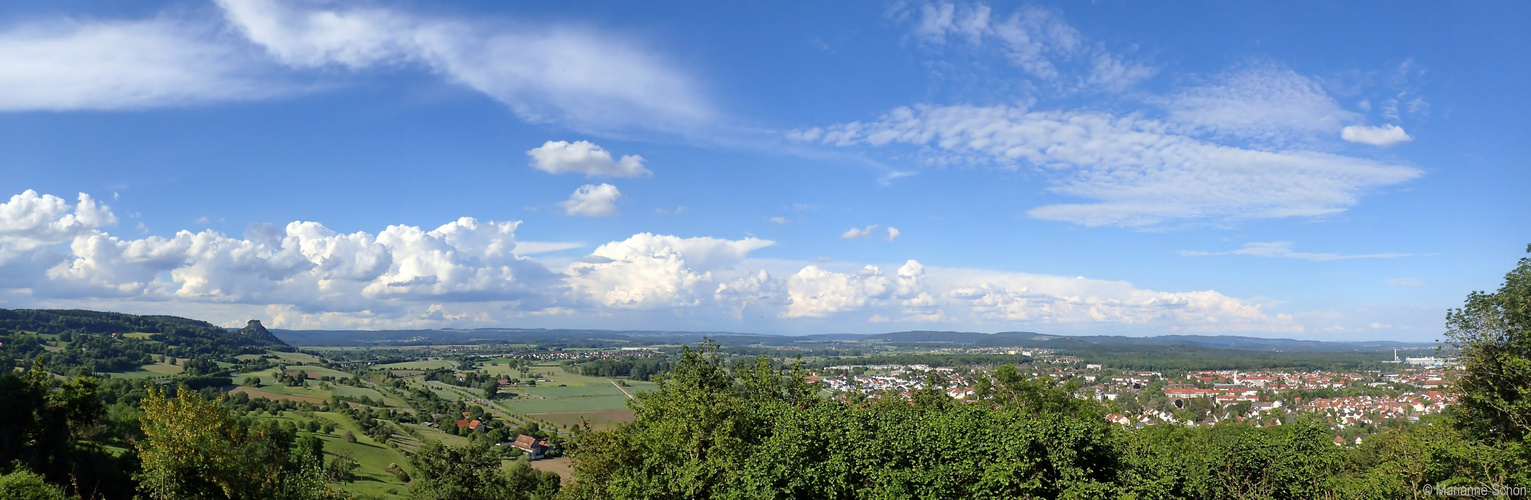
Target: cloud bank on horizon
x,y
468,272
1025,126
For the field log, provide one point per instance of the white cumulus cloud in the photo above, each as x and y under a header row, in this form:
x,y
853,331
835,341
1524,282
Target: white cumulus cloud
x,y
1386,135
757,289
56,253
304,265
31,220
1057,300
815,293
648,270
592,201
892,234
584,158
852,233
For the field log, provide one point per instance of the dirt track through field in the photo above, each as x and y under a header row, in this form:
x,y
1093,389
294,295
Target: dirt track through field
x,y
619,387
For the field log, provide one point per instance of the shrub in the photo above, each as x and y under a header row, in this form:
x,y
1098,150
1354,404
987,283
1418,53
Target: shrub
x,y
25,485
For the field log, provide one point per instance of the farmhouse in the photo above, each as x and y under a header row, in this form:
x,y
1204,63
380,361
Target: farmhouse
x,y
532,446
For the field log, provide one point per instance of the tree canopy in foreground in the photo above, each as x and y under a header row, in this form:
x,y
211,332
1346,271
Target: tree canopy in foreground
x,y
752,431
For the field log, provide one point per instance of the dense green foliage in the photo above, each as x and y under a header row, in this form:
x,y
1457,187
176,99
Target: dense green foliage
x,y
42,423
473,473
25,485
758,432
1492,333
194,448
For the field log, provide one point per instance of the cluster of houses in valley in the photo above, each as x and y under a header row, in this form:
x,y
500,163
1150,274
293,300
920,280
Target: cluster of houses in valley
x,y
625,353
1266,394
1414,395
896,379
1342,412
534,448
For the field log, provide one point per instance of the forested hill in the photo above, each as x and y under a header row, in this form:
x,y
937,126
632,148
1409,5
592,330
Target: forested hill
x,y
192,336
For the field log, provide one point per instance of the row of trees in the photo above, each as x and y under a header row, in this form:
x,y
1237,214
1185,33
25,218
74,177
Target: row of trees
x,y
633,368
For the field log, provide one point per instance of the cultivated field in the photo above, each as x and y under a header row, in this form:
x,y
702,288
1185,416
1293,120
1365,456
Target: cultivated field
x,y
156,369
598,419
429,364
295,357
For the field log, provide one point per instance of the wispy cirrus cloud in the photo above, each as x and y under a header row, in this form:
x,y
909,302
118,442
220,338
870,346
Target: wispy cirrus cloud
x,y
1038,41
62,65
568,75
1137,171
1253,142
1284,250
1262,102
562,74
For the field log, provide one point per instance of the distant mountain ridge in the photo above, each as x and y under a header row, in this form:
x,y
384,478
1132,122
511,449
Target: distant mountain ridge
x,y
194,335
255,335
254,331
590,337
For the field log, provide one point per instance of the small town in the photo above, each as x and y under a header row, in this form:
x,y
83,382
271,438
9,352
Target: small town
x,y
1351,403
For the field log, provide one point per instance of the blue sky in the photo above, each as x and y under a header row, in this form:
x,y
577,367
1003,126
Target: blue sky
x,y
1333,172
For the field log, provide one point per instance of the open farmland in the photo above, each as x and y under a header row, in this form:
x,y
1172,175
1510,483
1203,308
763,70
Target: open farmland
x,y
598,419
565,405
295,357
152,370
315,372
428,364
